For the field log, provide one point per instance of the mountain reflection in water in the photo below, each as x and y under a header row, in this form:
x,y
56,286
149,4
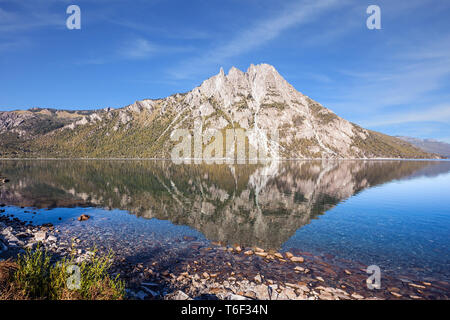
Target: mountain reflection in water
x,y
250,205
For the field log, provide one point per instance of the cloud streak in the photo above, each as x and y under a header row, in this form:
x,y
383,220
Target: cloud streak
x,y
137,48
28,19
255,36
406,80
185,34
440,113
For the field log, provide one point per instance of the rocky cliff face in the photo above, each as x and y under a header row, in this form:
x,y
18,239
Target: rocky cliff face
x,y
259,101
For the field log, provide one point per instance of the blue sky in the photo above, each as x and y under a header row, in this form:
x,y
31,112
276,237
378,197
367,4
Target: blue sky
x,y
395,80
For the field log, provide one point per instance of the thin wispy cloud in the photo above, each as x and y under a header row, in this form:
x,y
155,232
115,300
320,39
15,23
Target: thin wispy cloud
x,y
260,33
139,48
166,32
29,20
440,113
13,44
396,85
406,77
136,48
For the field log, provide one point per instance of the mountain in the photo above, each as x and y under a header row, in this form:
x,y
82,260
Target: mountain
x,y
258,101
429,145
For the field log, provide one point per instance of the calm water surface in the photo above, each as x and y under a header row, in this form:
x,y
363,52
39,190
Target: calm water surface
x,y
395,214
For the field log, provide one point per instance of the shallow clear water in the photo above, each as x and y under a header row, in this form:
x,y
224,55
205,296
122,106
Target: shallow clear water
x,y
402,226
395,214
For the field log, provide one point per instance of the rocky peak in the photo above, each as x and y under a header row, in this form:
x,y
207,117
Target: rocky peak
x,y
260,82
265,72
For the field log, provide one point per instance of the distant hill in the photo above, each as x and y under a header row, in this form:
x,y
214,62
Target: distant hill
x,y
429,145
258,101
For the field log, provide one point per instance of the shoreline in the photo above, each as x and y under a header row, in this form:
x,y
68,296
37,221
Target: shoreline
x,y
260,161
213,271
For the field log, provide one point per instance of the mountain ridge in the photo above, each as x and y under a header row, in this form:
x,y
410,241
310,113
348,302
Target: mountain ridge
x,y
257,101
429,145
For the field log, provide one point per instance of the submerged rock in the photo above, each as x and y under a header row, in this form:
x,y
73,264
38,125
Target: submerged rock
x,y
297,259
288,255
84,217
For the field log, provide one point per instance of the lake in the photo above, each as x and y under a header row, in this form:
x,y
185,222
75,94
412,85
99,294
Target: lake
x,y
394,214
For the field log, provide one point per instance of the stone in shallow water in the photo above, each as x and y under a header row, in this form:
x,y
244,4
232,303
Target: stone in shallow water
x,y
40,236
297,259
84,217
416,285
278,255
288,255
261,254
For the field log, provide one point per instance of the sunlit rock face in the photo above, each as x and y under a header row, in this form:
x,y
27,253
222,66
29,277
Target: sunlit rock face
x,y
259,101
250,205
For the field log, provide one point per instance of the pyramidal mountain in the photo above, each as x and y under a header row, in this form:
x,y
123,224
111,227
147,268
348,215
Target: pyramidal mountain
x,y
259,101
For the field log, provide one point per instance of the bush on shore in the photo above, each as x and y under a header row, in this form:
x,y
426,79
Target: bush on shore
x,y
33,276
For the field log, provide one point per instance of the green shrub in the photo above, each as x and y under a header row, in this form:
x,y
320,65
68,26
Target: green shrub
x,y
96,283
37,278
32,275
